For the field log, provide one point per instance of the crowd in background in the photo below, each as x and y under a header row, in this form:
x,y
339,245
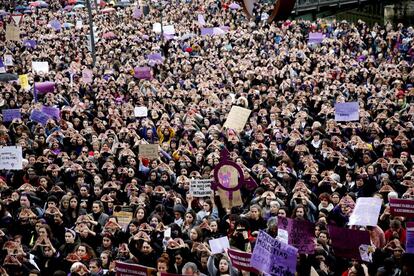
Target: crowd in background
x,y
57,214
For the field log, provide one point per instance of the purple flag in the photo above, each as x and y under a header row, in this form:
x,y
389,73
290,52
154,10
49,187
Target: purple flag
x,y
10,114
55,24
137,13
143,73
39,117
301,234
346,242
207,31
45,87
30,43
51,111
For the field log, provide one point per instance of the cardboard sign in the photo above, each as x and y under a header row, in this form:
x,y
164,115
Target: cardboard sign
x,y
301,234
124,218
347,112
241,260
366,211
219,245
11,158
200,187
12,33
39,117
346,242
237,118
125,269
409,246
40,67
24,81
141,111
273,256
402,207
10,114
149,151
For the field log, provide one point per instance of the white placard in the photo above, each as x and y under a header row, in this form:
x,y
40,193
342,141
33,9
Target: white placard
x,y
40,67
283,235
219,245
8,60
79,24
200,187
366,211
156,27
169,29
11,158
141,111
237,118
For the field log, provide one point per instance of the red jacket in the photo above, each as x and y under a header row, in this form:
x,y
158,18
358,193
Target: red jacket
x,y
402,234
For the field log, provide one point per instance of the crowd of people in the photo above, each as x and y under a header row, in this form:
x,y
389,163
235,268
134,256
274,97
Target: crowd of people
x,y
58,214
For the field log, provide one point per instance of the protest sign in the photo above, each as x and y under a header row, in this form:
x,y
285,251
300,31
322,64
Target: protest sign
x,y
126,269
17,18
219,245
87,76
10,114
149,151
124,218
409,246
55,24
366,211
143,73
347,112
283,235
207,31
39,117
156,57
8,60
315,38
30,43
301,234
169,29
11,158
237,118
346,242
12,33
156,28
241,260
24,81
273,256
40,67
200,187
79,24
402,207
137,13
200,20
53,112
45,87
141,111
2,66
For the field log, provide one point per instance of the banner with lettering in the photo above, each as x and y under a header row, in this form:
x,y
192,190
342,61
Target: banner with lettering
x,y
126,269
241,260
301,234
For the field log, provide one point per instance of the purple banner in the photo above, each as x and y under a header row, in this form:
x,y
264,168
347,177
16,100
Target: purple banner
x,y
39,117
315,38
126,269
402,207
45,87
207,31
347,112
143,73
301,234
155,57
346,242
273,257
10,114
53,112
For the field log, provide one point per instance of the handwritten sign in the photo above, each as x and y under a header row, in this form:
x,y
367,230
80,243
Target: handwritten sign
x,y
273,256
347,112
219,245
11,158
126,269
141,111
10,114
40,67
149,151
301,234
366,211
402,207
200,187
143,73
53,112
241,260
346,242
409,246
237,118
87,76
39,117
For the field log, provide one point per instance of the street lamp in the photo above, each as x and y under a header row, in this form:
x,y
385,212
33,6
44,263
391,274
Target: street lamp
x,y
91,32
